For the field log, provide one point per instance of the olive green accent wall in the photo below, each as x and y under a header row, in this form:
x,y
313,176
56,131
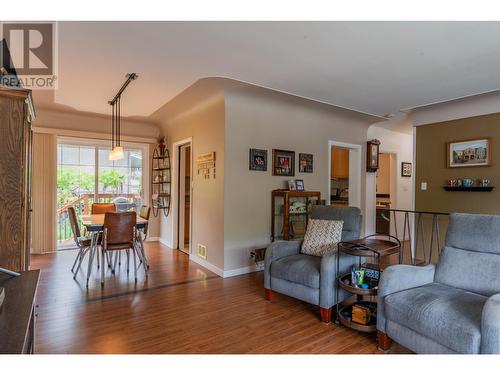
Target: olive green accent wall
x,y
431,166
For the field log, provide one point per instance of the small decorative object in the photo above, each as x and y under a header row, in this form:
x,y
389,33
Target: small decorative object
x,y
306,163
258,160
467,182
161,146
283,163
206,164
298,207
484,183
469,153
299,184
405,169
372,154
361,314
291,185
298,228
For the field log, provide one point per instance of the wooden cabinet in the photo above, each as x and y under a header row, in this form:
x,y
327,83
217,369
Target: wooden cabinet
x,y
290,213
16,114
340,162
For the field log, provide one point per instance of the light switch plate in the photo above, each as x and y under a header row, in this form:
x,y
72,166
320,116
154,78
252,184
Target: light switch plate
x,y
423,186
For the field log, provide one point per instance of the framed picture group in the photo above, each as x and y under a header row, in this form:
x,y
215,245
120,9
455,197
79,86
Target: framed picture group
x,y
283,162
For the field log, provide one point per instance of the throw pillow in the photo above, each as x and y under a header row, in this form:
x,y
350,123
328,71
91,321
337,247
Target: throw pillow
x,y
322,237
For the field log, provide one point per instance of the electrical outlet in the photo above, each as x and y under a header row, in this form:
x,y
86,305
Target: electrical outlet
x,y
201,251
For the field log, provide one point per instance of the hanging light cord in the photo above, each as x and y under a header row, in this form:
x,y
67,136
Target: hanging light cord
x,y
116,112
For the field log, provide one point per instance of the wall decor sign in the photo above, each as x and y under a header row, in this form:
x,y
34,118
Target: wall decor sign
x,y
206,164
258,160
283,163
306,163
405,169
469,153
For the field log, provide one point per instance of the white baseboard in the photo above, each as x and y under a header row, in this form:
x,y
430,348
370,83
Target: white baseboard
x,y
209,266
153,239
165,242
243,270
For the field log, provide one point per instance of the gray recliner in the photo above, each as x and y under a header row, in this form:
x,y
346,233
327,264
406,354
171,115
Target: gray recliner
x,y
306,277
453,307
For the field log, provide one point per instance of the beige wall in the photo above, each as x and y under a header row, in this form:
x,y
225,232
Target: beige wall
x,y
259,118
431,166
204,122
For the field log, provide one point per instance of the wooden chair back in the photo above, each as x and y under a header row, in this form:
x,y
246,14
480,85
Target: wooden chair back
x,y
144,213
102,208
75,228
119,228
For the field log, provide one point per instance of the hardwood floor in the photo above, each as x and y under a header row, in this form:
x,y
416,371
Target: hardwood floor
x,y
181,308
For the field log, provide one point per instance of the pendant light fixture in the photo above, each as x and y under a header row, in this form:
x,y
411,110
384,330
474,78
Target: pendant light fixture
x,y
116,152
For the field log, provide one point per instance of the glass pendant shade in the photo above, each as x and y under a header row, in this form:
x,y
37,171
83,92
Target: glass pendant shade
x,y
116,153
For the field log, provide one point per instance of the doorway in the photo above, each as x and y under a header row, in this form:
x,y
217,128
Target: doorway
x,y
344,177
385,191
184,198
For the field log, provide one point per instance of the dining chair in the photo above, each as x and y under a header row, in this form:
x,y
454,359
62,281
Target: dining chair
x,y
120,235
83,242
102,208
144,212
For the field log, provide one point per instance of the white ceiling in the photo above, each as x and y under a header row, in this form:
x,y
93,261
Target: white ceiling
x,y
374,67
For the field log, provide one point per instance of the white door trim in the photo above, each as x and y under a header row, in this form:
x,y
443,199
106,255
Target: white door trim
x,y
354,176
175,194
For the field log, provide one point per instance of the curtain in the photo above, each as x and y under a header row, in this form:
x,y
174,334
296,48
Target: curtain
x,y
44,193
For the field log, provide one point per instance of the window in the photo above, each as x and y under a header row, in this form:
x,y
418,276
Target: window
x,y
86,175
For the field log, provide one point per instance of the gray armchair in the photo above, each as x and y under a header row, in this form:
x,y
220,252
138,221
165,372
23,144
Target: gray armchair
x,y
453,307
306,277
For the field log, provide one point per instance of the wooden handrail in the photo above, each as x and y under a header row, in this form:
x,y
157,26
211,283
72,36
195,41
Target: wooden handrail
x,y
85,198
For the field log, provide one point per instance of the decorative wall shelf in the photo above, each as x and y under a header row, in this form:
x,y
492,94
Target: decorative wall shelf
x,y
160,180
469,188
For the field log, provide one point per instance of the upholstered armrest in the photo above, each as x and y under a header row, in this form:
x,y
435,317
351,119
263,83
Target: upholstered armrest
x,y
397,278
490,326
276,250
327,280
401,277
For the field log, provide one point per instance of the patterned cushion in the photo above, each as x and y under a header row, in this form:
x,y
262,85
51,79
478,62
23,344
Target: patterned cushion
x,y
322,237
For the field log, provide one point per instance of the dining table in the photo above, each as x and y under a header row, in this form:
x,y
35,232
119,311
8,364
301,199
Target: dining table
x,y
95,224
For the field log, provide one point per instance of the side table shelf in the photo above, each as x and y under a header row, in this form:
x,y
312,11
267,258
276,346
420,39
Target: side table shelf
x,y
367,247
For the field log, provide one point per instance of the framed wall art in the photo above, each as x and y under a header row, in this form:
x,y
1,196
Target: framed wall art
x,y
258,160
283,163
405,169
306,163
469,153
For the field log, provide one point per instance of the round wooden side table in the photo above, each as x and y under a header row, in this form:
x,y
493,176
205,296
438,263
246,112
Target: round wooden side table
x,y
368,247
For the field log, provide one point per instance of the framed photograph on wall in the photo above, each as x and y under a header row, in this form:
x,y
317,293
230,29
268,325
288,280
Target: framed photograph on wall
x,y
283,163
305,163
291,185
469,153
405,169
258,160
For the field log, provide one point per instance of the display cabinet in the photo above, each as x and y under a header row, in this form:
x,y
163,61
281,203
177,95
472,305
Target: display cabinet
x,y
290,213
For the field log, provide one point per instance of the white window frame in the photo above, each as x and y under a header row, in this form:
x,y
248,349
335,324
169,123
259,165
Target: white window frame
x,y
144,147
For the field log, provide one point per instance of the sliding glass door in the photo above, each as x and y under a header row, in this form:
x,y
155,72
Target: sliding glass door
x,y
86,175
